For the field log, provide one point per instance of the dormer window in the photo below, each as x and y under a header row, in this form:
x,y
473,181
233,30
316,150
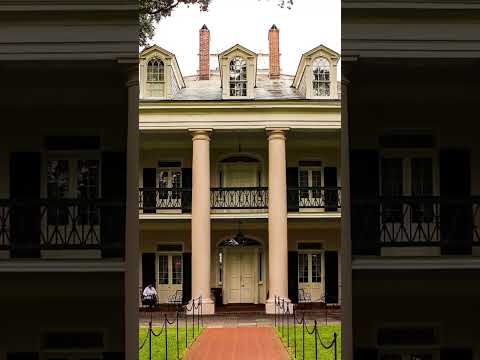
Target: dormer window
x,y
238,77
155,71
321,77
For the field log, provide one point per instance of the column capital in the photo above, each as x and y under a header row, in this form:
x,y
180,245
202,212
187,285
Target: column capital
x,y
277,133
200,134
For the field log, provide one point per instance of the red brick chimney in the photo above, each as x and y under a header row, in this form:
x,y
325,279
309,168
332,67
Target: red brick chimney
x,y
274,52
204,54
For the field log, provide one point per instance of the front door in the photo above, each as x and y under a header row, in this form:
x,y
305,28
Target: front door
x,y
170,276
241,276
310,274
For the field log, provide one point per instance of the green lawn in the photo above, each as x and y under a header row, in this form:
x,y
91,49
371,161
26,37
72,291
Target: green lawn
x,y
326,335
158,343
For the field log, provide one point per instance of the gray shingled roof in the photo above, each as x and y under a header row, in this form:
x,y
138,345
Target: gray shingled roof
x,y
267,89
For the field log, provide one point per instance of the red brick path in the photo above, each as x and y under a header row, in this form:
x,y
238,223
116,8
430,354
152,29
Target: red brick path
x,y
246,343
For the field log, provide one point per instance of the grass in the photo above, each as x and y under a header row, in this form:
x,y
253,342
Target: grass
x,y
326,335
158,343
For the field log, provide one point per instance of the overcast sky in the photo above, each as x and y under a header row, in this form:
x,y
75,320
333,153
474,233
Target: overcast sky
x,y
306,25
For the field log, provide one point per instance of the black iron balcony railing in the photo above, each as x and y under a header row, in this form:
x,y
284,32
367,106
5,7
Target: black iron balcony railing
x,y
152,200
416,221
327,198
26,226
239,198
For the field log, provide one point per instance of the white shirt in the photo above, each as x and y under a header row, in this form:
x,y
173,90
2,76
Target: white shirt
x,y
149,292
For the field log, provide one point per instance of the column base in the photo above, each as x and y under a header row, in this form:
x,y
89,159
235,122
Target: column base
x,y
208,307
270,306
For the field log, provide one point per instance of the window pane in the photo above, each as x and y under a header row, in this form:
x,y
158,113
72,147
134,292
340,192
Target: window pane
x,y
57,188
422,186
316,268
87,188
303,268
392,186
163,269
177,274
238,77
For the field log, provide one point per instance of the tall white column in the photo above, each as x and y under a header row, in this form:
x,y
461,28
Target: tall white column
x,y
201,219
131,226
277,218
346,245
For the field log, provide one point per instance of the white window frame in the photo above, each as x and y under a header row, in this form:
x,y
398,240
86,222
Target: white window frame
x,y
243,82
161,70
319,82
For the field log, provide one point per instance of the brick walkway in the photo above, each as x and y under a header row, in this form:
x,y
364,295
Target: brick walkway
x,y
252,343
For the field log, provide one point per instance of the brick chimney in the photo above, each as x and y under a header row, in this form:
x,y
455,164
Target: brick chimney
x,y
274,52
204,54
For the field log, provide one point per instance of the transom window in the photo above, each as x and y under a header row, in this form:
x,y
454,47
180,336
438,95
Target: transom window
x,y
321,77
238,77
155,70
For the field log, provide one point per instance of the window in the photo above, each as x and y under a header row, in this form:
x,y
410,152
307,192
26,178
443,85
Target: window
x,y
155,71
408,176
177,269
303,268
310,183
73,179
169,182
163,269
220,266
321,77
316,268
238,77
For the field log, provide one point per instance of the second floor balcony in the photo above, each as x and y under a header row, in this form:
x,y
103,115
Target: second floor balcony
x,y
234,199
42,228
402,225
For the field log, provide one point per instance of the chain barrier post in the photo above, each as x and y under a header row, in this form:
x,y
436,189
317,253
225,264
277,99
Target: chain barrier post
x,y
288,325
176,324
283,316
335,345
303,338
315,333
294,333
193,319
166,337
150,340
186,327
275,316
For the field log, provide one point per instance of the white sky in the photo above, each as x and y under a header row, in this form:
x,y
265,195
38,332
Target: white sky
x,y
308,24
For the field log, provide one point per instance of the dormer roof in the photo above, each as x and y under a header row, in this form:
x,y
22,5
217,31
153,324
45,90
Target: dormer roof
x,y
238,47
155,49
320,50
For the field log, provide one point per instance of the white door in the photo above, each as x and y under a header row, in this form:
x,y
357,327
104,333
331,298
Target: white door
x,y
169,280
241,276
169,187
310,274
310,182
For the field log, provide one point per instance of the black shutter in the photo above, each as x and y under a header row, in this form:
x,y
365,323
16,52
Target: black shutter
x,y
456,354
365,354
331,277
187,278
148,269
25,169
187,190
456,221
331,193
364,180
149,190
293,276
292,189
23,356
114,190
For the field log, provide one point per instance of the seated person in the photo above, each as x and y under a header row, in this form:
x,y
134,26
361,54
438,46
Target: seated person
x,y
150,295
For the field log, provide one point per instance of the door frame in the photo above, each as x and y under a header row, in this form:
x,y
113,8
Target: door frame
x,y
256,250
170,254
321,252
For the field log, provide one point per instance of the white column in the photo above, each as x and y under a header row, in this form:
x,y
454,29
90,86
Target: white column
x,y
346,245
131,226
277,218
201,219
